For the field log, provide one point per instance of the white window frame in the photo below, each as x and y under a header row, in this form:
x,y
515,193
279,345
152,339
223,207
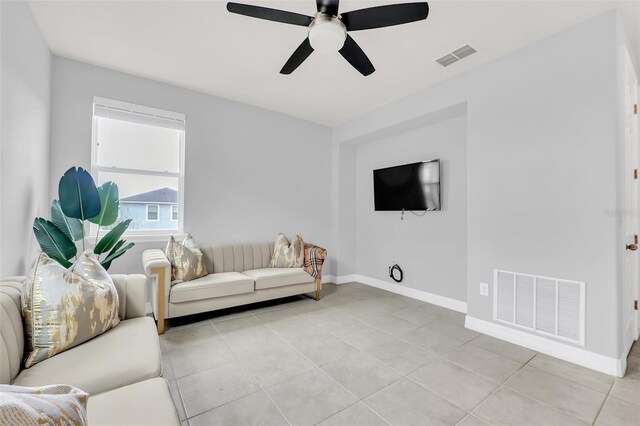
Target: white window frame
x,y
177,213
157,219
141,234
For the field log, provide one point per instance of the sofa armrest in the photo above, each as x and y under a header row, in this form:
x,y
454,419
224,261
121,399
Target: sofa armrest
x,y
132,295
158,269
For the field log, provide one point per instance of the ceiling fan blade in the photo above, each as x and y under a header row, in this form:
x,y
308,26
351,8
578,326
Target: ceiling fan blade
x,y
302,52
356,57
269,14
330,7
385,16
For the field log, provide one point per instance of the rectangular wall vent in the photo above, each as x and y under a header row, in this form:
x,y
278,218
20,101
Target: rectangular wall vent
x,y
456,55
550,306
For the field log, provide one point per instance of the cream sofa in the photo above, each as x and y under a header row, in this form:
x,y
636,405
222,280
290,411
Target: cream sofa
x,y
238,276
120,369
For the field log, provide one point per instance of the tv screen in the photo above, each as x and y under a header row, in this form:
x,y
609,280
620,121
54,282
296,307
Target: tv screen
x,y
413,186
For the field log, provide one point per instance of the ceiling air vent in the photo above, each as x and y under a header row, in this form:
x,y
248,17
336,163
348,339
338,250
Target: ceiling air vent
x,y
447,60
456,55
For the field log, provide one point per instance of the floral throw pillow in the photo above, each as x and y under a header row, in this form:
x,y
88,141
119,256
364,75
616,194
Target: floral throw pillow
x,y
186,258
287,254
62,308
45,405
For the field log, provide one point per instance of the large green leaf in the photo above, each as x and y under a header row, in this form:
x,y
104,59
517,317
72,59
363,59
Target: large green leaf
x,y
115,253
79,197
107,242
54,242
70,226
109,201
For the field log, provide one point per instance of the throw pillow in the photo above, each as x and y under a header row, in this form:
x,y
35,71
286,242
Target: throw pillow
x,y
186,258
62,307
287,254
51,405
313,259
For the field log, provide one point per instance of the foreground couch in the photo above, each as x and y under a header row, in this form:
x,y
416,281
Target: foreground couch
x,y
238,276
119,369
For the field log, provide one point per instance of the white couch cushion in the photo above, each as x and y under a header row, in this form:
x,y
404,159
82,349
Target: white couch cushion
x,y
212,285
145,403
128,353
278,277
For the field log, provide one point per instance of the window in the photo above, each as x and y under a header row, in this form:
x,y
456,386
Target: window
x,y
153,212
141,149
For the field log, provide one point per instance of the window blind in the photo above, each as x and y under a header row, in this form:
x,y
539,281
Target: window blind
x,y
141,115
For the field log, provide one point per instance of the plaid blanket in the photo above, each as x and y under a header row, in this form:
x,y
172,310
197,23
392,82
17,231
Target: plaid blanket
x,y
313,259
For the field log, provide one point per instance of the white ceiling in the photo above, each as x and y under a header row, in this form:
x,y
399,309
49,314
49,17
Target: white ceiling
x,y
199,45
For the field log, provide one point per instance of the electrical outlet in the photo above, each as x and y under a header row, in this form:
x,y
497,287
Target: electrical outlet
x,y
484,289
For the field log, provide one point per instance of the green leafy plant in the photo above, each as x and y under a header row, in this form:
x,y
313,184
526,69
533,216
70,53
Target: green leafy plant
x,y
80,200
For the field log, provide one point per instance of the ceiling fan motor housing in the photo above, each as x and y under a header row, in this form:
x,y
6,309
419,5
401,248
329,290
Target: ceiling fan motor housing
x,y
327,34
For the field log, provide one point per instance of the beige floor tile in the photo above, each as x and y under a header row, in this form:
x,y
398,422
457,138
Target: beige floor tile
x,y
574,399
310,398
506,407
237,325
362,374
618,413
295,329
212,388
592,379
177,399
356,415
488,364
187,335
407,403
390,324
192,359
431,341
276,364
331,319
453,326
254,409
279,314
472,420
455,384
506,349
363,336
227,314
402,356
422,314
627,389
324,348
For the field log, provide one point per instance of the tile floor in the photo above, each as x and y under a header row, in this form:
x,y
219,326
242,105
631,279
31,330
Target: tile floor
x,y
363,356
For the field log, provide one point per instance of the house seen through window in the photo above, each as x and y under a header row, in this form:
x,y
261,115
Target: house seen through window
x,y
141,149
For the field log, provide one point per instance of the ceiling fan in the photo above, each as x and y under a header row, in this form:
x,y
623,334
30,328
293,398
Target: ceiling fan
x,y
328,28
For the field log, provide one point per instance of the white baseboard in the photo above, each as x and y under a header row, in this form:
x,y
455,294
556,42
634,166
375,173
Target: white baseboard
x,y
583,357
435,299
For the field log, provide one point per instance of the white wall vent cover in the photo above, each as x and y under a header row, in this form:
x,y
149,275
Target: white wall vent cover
x,y
550,306
456,55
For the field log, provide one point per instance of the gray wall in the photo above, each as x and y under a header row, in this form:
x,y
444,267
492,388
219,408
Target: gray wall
x,y
542,164
432,250
250,173
25,80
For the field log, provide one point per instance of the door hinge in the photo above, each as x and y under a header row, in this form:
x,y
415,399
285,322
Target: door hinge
x,y
635,305
635,173
635,108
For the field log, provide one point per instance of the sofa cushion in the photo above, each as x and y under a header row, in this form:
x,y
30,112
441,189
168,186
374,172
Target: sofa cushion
x,y
128,353
278,277
212,285
145,403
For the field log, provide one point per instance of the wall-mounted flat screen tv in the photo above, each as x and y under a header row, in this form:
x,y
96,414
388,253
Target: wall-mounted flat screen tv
x,y
414,186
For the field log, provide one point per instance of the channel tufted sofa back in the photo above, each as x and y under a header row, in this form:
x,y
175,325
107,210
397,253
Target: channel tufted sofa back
x,y
237,257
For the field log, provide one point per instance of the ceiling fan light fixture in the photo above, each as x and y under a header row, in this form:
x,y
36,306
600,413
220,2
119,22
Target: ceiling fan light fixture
x,y
327,34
